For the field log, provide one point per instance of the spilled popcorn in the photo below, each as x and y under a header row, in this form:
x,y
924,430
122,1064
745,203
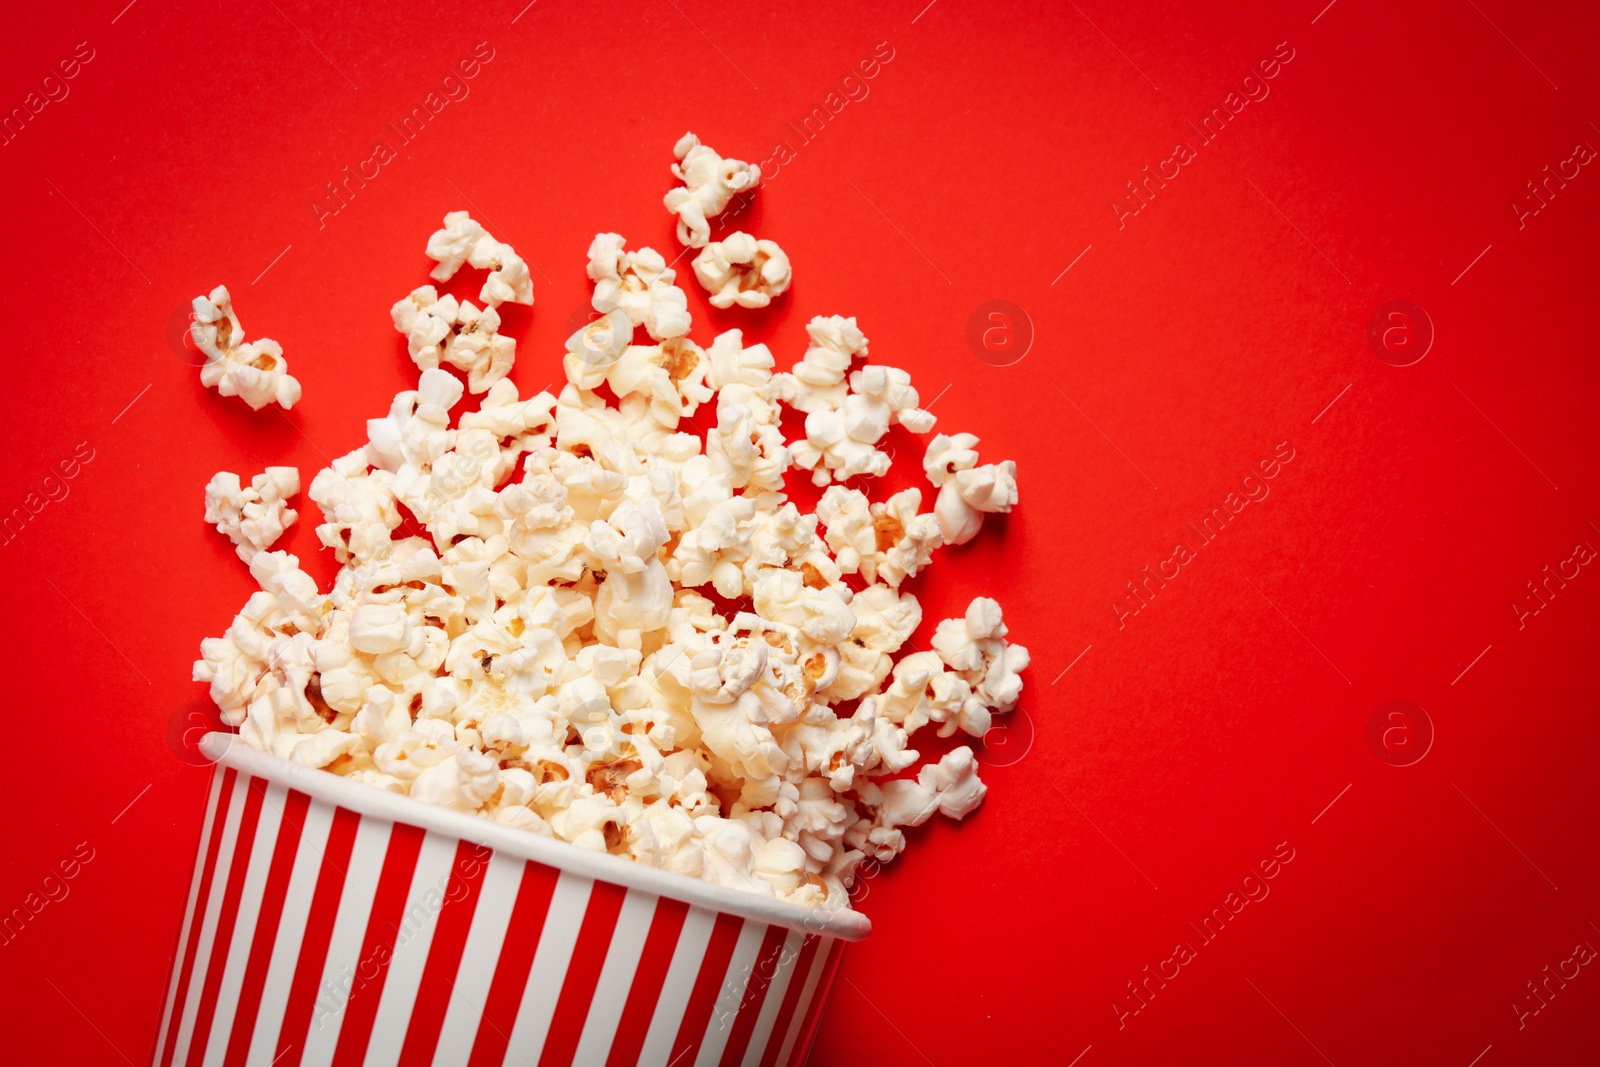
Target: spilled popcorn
x,y
742,270
710,182
252,517
254,371
613,630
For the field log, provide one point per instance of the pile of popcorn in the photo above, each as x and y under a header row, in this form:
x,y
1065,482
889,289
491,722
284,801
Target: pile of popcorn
x,y
612,630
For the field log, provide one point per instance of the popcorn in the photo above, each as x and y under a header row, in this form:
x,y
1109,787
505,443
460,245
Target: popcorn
x,y
671,374
252,518
358,506
832,449
518,631
508,274
430,323
975,647
427,320
742,270
592,350
886,396
639,284
747,446
966,490
734,364
954,783
847,413
904,541
887,541
479,349
464,241
709,182
464,782
252,370
452,246
378,628
817,382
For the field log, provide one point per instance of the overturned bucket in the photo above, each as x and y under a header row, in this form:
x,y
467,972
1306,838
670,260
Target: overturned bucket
x,y
331,923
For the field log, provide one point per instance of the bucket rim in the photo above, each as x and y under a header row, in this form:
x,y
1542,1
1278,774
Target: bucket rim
x,y
225,749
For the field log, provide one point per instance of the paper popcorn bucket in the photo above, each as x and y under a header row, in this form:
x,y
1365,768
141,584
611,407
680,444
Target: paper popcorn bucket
x,y
332,923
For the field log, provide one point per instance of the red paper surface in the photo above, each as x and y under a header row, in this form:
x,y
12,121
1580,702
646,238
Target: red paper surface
x,y
1159,757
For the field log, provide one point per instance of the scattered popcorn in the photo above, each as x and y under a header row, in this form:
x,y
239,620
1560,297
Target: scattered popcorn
x,y
966,490
639,284
742,270
255,371
585,616
252,518
709,182
975,647
465,241
886,396
905,539
430,323
818,381
954,782
847,413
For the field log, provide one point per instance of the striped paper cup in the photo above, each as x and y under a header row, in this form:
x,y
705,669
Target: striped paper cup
x,y
332,923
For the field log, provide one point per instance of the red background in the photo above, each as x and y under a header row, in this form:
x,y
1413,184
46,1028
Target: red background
x,y
1223,318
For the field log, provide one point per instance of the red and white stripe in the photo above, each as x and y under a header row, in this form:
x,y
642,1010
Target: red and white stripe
x,y
319,936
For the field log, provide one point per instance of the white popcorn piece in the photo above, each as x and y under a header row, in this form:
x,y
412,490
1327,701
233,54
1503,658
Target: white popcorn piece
x,y
479,348
734,364
887,541
639,284
904,539
975,646
444,330
818,382
415,434
947,454
452,246
847,413
747,446
672,375
515,632
318,749
923,691
427,320
847,515
889,397
265,649
742,270
358,507
832,451
594,349
782,863
378,628
954,783
462,241
254,371
509,280
967,491
709,183
885,618
464,782
252,518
